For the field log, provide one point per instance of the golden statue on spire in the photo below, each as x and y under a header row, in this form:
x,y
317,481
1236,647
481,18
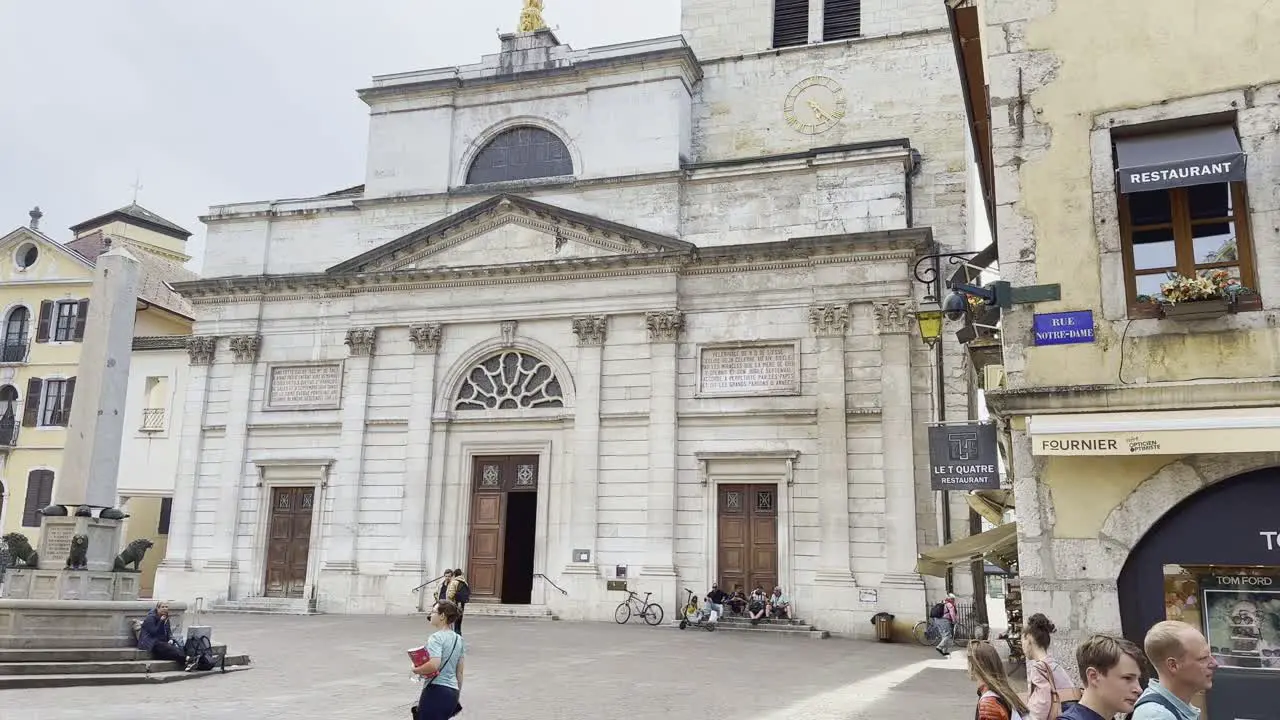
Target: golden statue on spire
x,y
531,17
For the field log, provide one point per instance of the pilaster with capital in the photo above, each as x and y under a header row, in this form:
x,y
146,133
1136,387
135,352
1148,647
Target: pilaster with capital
x,y
664,335
426,337
830,323
415,534
201,350
893,323
591,331
343,533
244,350
361,341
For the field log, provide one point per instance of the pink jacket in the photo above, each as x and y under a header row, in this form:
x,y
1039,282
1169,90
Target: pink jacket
x,y
949,610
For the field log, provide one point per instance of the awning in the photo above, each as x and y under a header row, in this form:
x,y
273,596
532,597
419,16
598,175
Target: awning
x,y
998,545
1201,156
1181,432
991,504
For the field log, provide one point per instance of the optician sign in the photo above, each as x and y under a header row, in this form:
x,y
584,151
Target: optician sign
x,y
964,457
1064,328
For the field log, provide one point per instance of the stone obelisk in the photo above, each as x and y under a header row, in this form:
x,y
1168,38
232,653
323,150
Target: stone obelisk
x,y
84,494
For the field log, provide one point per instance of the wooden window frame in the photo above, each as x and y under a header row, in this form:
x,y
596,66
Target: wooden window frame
x,y
56,416
1184,248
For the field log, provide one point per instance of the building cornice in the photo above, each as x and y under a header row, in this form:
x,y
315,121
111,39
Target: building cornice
x,y
1149,397
883,246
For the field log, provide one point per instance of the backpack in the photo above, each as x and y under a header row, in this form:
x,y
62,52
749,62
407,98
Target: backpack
x,y
200,652
1156,698
1013,714
938,611
464,593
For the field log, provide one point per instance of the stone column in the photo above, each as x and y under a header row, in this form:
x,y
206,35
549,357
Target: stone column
x,y
664,337
830,323
411,559
893,323
591,331
244,351
344,531
200,349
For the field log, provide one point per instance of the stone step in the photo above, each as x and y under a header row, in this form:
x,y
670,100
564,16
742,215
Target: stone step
x,y
776,631
735,620
102,667
72,655
8,682
522,612
263,606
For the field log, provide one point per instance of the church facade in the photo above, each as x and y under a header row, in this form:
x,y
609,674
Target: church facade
x,y
636,313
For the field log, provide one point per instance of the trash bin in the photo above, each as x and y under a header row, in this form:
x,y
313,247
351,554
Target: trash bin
x,y
884,626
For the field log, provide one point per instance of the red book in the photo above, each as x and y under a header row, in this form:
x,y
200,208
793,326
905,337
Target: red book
x,y
419,657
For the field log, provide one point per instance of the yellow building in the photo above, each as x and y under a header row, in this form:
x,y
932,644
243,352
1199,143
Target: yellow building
x,y
1126,149
44,296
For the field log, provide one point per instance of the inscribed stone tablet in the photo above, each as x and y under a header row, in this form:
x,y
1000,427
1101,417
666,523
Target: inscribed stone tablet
x,y
749,370
305,386
57,542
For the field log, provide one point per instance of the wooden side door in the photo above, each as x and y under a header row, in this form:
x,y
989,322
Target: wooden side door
x,y
747,552
488,509
289,541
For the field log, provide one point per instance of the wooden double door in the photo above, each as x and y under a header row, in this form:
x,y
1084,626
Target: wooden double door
x,y
289,541
504,503
747,522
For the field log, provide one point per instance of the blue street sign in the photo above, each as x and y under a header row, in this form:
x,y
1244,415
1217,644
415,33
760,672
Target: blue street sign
x,y
1064,328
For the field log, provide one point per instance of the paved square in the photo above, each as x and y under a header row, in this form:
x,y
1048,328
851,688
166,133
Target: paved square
x,y
355,668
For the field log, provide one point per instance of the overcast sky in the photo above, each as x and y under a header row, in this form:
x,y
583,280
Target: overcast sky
x,y
228,101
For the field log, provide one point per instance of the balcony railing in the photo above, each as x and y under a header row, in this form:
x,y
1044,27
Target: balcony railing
x,y
153,419
8,431
13,352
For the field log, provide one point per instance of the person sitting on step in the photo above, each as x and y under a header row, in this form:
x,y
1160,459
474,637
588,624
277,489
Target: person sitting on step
x,y
156,636
779,604
713,603
757,605
737,602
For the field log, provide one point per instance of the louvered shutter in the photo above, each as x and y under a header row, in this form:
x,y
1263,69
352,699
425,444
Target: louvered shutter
x,y
790,23
46,316
166,513
82,316
842,19
31,407
39,495
67,396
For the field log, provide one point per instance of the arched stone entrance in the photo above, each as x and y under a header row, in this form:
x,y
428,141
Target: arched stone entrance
x,y
1214,549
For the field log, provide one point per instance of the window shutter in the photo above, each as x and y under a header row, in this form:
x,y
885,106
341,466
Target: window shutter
x,y
46,316
166,511
790,23
31,408
842,19
67,397
82,316
39,496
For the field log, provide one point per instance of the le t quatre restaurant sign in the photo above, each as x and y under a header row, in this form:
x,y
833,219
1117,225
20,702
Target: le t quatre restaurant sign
x,y
964,457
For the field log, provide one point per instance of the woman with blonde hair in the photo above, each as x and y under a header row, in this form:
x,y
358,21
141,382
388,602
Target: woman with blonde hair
x,y
996,698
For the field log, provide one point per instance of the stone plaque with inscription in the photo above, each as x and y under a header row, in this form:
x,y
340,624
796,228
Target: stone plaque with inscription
x,y
772,369
57,544
304,387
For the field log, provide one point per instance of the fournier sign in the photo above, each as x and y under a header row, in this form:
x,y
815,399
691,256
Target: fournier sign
x,y
964,457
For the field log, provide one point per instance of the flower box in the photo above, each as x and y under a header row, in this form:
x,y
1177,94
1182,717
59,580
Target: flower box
x,y
1196,309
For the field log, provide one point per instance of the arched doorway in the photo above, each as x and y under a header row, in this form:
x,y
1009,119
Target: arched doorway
x,y
1210,560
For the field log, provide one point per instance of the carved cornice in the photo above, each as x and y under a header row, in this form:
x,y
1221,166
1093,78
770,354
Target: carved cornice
x,y
893,316
829,319
591,329
508,330
664,326
245,347
202,348
426,337
361,341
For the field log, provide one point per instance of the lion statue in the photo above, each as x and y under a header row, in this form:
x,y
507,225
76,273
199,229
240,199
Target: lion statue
x,y
132,555
21,553
78,558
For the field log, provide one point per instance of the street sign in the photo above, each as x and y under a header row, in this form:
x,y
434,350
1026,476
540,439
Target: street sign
x,y
964,457
1063,328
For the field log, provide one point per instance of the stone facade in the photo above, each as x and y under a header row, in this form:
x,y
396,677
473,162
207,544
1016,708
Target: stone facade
x,y
1056,110
716,295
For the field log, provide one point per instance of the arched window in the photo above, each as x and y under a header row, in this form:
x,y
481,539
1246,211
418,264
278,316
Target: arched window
x,y
8,416
510,380
521,153
17,325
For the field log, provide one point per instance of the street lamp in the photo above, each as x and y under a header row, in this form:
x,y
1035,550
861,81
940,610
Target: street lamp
x,y
929,321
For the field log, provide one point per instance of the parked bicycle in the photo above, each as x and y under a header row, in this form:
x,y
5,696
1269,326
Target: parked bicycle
x,y
650,611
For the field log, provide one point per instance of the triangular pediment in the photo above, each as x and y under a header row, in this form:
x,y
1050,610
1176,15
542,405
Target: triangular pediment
x,y
54,260
507,230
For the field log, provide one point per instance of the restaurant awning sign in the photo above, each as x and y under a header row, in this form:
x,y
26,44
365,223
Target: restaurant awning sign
x,y
964,457
1199,156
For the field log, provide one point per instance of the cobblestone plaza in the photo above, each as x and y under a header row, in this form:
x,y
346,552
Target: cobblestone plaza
x,y
355,667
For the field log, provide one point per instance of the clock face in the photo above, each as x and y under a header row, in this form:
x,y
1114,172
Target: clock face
x,y
814,105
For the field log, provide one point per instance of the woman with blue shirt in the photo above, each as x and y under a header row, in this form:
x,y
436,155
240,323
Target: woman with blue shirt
x,y
439,699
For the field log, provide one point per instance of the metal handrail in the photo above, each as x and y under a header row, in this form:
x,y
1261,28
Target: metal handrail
x,y
429,582
553,584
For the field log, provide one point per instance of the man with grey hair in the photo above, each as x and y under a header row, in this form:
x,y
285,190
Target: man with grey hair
x,y
1184,663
